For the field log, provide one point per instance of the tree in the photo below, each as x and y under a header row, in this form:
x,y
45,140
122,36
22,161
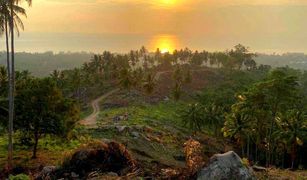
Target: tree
x,y
149,83
192,116
137,78
238,126
292,129
196,59
125,79
41,109
214,117
187,76
242,56
58,76
281,90
177,90
13,21
268,114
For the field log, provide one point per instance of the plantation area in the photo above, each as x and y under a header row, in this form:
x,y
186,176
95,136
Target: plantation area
x,y
158,116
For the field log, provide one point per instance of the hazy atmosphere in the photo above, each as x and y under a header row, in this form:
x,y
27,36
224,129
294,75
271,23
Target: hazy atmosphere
x,y
153,89
119,25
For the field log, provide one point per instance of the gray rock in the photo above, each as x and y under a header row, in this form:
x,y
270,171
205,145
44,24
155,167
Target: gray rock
x,y
121,128
112,174
74,175
259,168
46,172
226,166
135,134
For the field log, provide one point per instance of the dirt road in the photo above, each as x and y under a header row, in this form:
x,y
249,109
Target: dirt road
x,y
91,120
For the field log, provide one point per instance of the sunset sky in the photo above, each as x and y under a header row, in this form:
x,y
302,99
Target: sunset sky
x,y
119,25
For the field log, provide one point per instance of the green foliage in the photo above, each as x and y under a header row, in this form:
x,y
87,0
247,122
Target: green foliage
x,y
193,117
149,83
166,112
126,80
177,91
19,177
270,113
3,80
41,109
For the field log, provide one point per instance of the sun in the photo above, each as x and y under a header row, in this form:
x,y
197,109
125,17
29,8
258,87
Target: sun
x,y
166,43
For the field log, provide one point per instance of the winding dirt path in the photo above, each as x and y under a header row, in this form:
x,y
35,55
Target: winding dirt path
x,y
91,120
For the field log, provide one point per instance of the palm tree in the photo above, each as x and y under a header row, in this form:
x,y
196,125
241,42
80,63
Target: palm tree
x,y
177,90
125,79
237,126
192,116
292,128
14,22
149,83
5,18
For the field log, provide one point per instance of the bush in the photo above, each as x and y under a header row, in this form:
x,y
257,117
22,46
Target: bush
x,y
19,177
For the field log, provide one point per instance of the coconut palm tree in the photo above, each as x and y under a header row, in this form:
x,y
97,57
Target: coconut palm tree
x,y
292,129
14,22
149,83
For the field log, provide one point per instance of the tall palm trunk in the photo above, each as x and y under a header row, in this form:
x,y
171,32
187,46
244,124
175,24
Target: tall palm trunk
x,y
10,146
7,48
11,90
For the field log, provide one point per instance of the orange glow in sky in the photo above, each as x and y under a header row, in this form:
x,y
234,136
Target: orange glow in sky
x,y
273,25
166,43
170,2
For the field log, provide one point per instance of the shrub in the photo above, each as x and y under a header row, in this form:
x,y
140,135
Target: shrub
x,y
19,177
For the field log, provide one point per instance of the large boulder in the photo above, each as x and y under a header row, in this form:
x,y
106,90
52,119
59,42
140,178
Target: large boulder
x,y
225,166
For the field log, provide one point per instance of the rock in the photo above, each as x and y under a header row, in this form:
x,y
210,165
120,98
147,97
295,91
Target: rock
x,y
225,166
46,172
120,128
259,168
124,117
166,98
112,174
116,119
74,175
135,134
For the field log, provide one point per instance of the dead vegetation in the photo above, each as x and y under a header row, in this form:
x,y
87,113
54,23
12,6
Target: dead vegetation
x,y
94,160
